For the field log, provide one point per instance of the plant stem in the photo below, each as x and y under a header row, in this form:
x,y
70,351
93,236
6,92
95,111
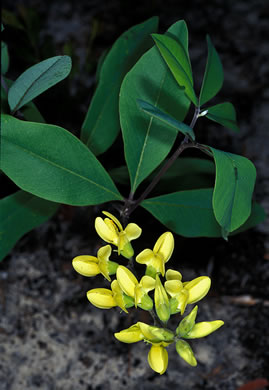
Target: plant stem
x,y
3,82
130,204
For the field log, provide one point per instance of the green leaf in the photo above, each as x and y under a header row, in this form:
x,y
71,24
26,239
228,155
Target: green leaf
x,y
147,141
188,213
213,76
4,58
37,79
235,180
162,116
224,114
20,213
53,164
101,125
256,217
177,59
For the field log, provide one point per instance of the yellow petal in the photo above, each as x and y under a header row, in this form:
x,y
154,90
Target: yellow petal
x,y
158,359
179,302
130,335
173,287
86,265
118,295
148,283
114,219
198,288
126,280
132,231
184,350
145,257
173,275
164,246
202,329
148,332
101,298
105,231
104,252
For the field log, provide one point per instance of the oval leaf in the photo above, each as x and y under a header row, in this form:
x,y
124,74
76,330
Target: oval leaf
x,y
37,79
213,76
101,125
147,141
53,164
188,213
178,62
20,213
235,180
224,114
162,116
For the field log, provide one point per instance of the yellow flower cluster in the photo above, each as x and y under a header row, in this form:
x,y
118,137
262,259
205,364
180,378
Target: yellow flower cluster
x,y
126,290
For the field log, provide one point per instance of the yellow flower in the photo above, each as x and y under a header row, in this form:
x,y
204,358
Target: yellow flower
x,y
155,259
111,231
185,293
139,291
158,358
91,265
104,298
158,337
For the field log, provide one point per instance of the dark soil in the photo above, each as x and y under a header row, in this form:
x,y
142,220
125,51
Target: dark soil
x,y
51,338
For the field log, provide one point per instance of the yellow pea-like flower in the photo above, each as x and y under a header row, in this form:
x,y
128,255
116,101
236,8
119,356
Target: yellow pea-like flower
x,y
110,230
155,259
197,288
158,358
137,290
202,329
101,298
91,265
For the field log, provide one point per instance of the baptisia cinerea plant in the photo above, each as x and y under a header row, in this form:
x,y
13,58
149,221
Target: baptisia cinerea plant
x,y
160,299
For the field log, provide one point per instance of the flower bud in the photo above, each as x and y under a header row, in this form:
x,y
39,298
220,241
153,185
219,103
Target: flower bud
x,y
197,288
202,329
187,323
184,350
158,358
161,301
101,298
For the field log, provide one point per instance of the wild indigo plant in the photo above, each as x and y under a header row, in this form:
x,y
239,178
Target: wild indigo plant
x,y
145,90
